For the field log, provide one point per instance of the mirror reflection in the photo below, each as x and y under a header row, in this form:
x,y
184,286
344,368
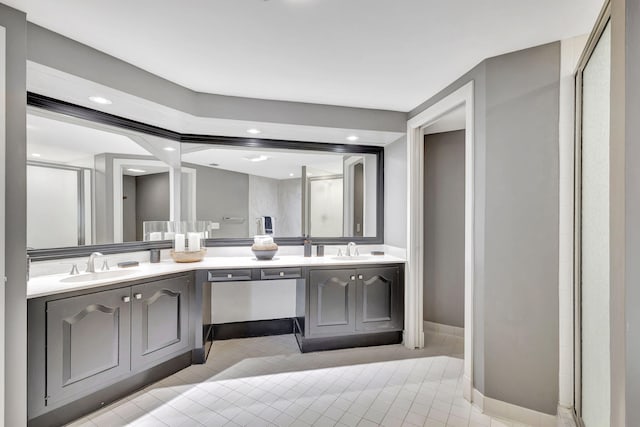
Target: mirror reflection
x,y
89,183
287,193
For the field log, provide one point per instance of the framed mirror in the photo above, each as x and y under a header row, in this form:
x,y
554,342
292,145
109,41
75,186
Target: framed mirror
x,y
94,179
288,193
92,184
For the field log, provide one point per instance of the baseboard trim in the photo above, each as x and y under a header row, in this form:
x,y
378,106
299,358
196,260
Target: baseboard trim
x,y
566,417
443,329
509,412
254,328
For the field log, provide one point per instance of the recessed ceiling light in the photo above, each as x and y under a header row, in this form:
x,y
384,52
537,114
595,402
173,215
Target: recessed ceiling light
x,y
254,131
100,100
169,149
35,154
136,170
309,174
291,174
260,158
353,138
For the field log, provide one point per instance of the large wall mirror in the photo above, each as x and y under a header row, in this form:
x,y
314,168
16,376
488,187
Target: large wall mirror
x,y
301,192
94,179
91,184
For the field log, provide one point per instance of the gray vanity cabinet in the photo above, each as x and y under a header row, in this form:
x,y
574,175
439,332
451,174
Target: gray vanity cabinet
x,y
87,342
332,301
159,320
87,347
355,300
379,296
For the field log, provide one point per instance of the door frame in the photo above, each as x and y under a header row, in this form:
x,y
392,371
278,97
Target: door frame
x,y
414,326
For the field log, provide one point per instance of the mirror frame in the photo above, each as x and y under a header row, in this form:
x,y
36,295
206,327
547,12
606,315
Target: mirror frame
x,y
62,107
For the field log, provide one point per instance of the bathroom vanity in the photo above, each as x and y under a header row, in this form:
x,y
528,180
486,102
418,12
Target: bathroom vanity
x,y
93,341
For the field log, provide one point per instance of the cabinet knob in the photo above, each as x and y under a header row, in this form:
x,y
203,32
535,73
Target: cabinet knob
x,y
282,274
353,277
137,296
126,299
360,276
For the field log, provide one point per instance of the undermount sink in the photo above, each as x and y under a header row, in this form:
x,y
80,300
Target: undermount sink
x,y
102,275
352,258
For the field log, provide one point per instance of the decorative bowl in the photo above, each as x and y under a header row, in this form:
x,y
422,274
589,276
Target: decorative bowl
x,y
264,252
188,256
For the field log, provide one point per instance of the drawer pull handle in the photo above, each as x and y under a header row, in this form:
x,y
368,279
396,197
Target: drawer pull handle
x,y
360,276
281,273
353,277
137,296
229,276
126,299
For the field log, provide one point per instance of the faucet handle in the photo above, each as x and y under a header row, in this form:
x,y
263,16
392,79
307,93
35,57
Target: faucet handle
x,y
339,252
74,270
357,252
105,265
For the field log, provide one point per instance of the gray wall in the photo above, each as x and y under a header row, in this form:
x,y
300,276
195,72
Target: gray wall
x,y
15,403
444,228
522,214
53,50
395,193
516,218
290,207
152,200
129,208
222,193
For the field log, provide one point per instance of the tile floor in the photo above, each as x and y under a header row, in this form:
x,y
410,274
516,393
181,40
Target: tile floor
x,y
267,381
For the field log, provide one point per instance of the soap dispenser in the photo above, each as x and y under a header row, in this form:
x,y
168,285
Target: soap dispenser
x,y
307,247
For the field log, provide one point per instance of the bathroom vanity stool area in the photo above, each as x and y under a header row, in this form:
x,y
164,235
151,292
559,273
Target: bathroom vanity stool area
x,y
92,342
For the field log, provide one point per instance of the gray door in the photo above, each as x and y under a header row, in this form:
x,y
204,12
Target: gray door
x,y
378,299
87,342
332,302
159,321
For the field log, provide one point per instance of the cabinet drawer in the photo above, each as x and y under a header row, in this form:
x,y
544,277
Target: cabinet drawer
x,y
280,273
229,275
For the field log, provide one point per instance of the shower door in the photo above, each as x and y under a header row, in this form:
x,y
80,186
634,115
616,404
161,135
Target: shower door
x,y
592,347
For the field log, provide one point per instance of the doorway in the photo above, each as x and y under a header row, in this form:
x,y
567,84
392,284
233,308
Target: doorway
x,y
414,302
444,207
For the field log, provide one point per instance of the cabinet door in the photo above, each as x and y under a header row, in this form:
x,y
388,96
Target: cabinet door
x,y
87,342
159,321
379,299
332,302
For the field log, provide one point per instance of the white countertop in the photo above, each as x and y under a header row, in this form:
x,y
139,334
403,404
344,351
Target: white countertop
x,y
52,284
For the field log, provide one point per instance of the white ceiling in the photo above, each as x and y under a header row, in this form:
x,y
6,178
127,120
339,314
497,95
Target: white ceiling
x,y
366,53
453,120
60,85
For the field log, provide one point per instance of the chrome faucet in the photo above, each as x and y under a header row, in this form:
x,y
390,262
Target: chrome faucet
x,y
351,249
91,266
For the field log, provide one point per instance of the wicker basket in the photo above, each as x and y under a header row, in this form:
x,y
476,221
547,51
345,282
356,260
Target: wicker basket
x,y
190,256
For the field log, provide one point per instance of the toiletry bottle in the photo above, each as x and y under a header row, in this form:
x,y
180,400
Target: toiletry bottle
x,y
307,247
